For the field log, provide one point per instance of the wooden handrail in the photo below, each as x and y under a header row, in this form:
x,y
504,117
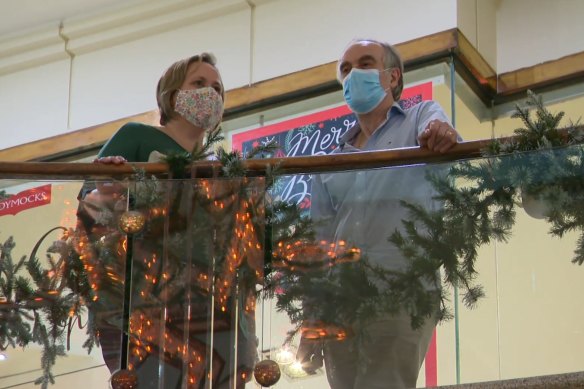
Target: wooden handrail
x,y
256,167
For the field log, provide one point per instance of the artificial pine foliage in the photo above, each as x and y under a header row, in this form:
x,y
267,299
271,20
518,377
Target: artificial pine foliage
x,y
39,306
552,175
479,201
253,239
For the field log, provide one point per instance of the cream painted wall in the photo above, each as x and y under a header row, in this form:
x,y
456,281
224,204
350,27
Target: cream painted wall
x,y
119,56
534,31
513,34
467,19
120,81
311,33
477,19
33,103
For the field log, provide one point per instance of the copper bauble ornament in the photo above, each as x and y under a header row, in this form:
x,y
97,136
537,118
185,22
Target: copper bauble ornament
x,y
267,373
124,379
132,222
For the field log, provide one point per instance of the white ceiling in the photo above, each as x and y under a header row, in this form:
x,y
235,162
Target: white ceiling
x,y
24,15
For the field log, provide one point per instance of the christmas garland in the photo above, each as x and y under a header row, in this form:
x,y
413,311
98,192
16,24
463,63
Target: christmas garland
x,y
42,305
480,198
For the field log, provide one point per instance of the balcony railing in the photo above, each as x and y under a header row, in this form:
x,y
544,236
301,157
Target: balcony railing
x,y
197,282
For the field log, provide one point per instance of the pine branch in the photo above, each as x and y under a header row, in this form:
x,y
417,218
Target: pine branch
x,y
213,138
178,163
232,161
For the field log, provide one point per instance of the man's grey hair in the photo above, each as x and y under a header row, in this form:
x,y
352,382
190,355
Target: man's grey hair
x,y
391,59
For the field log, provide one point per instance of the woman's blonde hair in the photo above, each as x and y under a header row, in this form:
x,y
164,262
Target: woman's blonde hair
x,y
172,80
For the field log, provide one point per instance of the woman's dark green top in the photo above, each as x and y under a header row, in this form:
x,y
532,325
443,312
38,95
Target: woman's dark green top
x,y
137,141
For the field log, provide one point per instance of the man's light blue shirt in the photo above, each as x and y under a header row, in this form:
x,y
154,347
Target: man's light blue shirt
x,y
363,208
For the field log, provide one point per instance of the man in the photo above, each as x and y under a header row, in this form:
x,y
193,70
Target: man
x,y
370,69
364,208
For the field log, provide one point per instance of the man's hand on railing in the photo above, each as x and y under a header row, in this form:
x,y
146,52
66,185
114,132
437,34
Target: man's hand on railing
x,y
438,136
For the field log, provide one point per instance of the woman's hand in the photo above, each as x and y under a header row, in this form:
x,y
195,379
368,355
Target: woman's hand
x,y
111,160
111,188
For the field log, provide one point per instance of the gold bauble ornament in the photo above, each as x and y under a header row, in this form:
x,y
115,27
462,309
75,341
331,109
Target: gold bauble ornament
x,y
124,379
132,222
267,373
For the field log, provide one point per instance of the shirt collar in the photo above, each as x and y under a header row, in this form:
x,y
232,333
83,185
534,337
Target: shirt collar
x,y
356,129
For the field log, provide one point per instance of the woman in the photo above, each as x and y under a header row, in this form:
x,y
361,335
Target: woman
x,y
190,97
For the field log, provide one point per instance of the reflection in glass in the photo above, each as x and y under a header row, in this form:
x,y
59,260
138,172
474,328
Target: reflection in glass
x,y
196,264
197,249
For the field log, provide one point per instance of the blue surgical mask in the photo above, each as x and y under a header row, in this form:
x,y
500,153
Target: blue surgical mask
x,y
362,90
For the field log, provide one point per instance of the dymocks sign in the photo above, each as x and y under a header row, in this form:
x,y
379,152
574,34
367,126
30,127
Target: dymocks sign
x,y
27,199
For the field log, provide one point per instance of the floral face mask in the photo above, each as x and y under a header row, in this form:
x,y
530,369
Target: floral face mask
x,y
202,107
